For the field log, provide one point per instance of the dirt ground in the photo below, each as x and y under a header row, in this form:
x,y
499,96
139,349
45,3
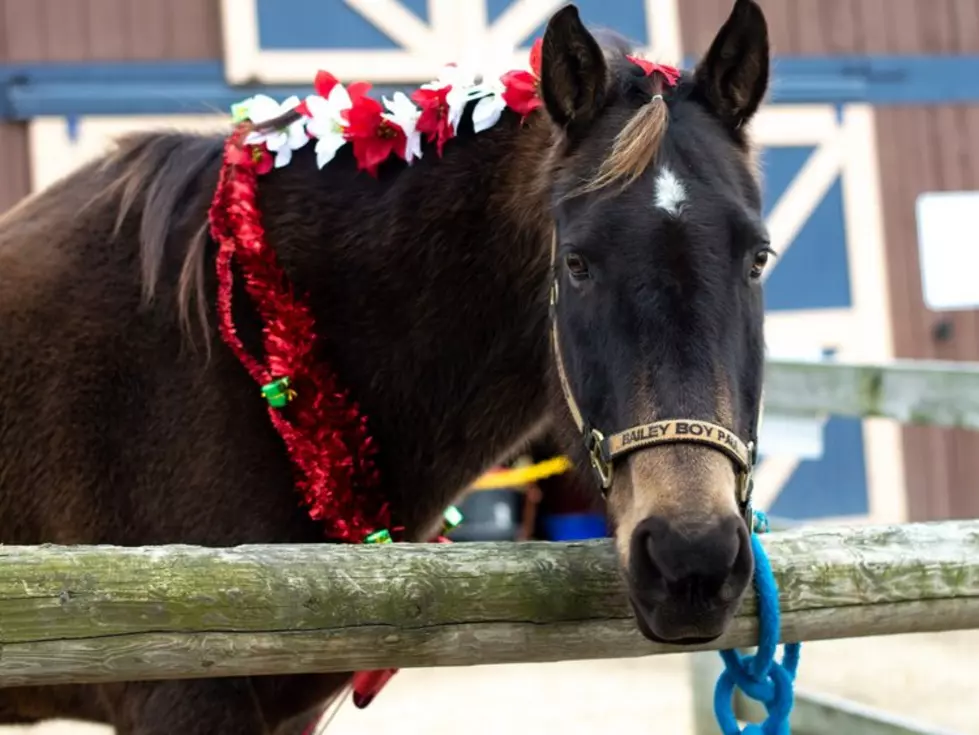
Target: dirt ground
x,y
932,678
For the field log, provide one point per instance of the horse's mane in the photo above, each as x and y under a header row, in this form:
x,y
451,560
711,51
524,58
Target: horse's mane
x,y
157,176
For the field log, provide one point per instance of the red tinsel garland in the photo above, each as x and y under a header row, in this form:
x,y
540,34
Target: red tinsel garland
x,y
323,430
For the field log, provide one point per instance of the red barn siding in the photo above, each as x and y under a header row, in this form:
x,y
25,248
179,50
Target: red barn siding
x,y
921,149
15,176
109,30
826,27
929,149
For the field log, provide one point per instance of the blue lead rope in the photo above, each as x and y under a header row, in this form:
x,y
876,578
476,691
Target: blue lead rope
x,y
760,677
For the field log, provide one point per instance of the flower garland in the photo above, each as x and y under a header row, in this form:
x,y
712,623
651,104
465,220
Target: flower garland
x,y
324,431
336,115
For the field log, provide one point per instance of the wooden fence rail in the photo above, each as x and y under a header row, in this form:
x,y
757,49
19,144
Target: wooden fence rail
x,y
913,392
812,714
97,614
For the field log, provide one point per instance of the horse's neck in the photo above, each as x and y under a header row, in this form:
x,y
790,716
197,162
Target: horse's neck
x,y
431,296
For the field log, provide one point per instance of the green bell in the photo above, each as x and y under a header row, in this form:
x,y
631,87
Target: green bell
x,y
278,393
453,517
379,537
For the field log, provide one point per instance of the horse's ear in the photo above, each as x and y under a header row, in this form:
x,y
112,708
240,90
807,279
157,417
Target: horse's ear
x,y
733,76
574,76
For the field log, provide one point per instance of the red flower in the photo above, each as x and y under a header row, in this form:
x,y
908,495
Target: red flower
x,y
434,120
252,156
324,83
536,52
670,73
373,136
522,88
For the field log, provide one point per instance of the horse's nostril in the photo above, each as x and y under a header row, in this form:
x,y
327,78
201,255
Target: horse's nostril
x,y
700,564
645,571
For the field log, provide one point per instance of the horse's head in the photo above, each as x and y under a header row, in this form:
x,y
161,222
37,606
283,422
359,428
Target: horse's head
x,y
657,306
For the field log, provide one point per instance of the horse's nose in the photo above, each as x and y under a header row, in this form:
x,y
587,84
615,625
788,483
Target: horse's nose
x,y
686,577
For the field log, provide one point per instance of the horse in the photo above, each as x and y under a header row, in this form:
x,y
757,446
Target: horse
x,y
589,265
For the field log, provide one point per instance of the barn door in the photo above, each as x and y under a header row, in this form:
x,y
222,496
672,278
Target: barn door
x,y
826,294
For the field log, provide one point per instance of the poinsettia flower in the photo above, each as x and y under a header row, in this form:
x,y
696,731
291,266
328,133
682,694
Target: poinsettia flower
x,y
460,82
374,136
435,120
522,88
406,116
326,113
324,83
280,141
670,73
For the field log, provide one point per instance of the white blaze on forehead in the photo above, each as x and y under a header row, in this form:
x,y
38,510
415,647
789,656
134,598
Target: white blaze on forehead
x,y
670,192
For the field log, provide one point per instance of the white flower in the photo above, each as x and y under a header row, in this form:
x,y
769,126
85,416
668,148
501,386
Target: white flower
x,y
282,141
488,110
403,113
327,123
463,83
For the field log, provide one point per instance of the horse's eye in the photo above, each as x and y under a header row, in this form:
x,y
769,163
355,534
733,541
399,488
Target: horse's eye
x,y
761,260
577,266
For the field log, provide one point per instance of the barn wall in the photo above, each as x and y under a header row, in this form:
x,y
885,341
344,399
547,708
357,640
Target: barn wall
x,y
828,27
929,149
920,149
109,30
15,174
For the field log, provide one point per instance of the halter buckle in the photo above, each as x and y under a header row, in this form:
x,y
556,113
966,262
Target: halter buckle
x,y
594,442
746,482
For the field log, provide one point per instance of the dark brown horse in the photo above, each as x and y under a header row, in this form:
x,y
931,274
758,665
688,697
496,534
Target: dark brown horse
x,y
430,285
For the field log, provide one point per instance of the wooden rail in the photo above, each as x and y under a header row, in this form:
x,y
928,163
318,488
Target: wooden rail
x,y
812,714
97,614
913,392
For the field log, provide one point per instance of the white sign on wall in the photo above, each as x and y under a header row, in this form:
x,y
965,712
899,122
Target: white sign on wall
x,y
948,249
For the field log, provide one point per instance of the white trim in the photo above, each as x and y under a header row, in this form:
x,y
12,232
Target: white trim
x,y
803,195
846,147
405,28
771,476
53,154
239,36
519,19
827,328
794,125
451,35
663,31
873,337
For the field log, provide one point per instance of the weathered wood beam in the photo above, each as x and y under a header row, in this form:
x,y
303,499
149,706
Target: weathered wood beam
x,y
97,614
914,392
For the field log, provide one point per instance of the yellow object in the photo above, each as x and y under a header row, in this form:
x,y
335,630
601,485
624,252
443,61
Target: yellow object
x,y
522,475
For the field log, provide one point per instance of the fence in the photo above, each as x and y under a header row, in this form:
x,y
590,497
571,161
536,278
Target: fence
x,y
914,392
100,614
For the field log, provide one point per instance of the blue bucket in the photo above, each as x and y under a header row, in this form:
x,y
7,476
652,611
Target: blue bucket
x,y
574,526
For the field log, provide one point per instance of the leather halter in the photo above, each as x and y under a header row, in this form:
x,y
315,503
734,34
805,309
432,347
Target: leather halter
x,y
604,450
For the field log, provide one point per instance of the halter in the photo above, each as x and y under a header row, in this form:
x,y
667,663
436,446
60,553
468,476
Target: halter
x,y
604,450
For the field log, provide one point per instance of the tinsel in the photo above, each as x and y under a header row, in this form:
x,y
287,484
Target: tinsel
x,y
324,431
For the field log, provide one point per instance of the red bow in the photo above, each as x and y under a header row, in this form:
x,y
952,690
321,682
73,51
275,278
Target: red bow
x,y
670,73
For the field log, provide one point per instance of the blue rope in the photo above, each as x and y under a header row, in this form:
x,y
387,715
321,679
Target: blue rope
x,y
760,677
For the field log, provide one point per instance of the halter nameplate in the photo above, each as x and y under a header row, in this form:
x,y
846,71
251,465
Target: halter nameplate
x,y
674,431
